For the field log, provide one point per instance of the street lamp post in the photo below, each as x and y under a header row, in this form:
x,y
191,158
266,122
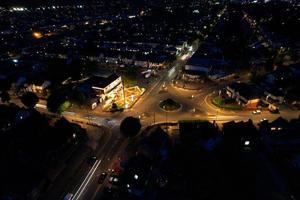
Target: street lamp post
x,y
123,90
217,114
166,118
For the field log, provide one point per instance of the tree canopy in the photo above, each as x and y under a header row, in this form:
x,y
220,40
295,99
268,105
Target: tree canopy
x,y
130,126
29,99
57,103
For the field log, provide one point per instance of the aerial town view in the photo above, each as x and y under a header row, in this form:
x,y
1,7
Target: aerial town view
x,y
149,99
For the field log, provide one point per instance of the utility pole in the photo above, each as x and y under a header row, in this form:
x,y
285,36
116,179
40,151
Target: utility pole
x,y
123,90
166,121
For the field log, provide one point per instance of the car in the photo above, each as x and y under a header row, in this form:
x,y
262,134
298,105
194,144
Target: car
x,y
102,177
110,122
263,120
113,179
69,196
274,111
256,112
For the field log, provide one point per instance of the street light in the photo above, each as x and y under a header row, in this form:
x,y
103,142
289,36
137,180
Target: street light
x,y
123,91
247,143
37,35
217,114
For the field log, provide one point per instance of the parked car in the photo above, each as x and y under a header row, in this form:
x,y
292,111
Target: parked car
x,y
114,179
274,111
102,177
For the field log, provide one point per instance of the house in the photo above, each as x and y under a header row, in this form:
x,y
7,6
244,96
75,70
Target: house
x,y
106,86
40,88
195,130
241,135
274,95
283,135
247,95
198,67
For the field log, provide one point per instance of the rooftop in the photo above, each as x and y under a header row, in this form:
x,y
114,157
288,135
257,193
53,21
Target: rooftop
x,y
101,81
249,91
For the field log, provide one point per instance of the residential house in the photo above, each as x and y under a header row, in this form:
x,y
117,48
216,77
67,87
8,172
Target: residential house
x,y
106,86
247,95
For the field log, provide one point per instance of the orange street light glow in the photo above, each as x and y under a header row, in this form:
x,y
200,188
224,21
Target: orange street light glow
x,y
37,35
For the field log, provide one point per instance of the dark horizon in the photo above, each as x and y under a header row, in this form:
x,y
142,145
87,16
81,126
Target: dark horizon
x,y
34,3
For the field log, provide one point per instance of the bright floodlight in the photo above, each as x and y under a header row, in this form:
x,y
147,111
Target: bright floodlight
x,y
136,177
247,143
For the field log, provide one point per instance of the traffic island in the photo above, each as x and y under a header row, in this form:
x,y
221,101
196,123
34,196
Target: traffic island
x,y
169,105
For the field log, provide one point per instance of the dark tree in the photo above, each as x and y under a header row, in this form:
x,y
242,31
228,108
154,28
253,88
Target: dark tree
x,y
4,85
75,68
55,102
130,126
66,132
4,97
29,99
80,98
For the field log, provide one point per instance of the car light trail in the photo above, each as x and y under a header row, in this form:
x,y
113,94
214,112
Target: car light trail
x,y
86,181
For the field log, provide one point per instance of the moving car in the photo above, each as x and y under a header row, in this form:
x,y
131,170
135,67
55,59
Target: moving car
x,y
263,120
69,196
256,112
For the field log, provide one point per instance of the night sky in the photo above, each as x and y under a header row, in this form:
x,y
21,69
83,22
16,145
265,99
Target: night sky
x,y
41,2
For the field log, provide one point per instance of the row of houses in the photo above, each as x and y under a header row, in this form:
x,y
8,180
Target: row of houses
x,y
251,96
